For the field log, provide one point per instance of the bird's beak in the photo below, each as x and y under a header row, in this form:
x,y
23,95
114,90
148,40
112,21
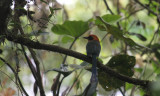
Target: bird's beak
x,y
85,37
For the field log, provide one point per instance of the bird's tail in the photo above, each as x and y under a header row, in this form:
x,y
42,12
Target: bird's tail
x,y
94,70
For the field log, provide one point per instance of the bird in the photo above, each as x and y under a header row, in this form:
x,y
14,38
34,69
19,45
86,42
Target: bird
x,y
93,49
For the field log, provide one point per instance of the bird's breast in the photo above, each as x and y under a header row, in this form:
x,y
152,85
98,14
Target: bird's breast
x,y
93,47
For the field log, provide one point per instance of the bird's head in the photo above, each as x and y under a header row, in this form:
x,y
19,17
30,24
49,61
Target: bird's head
x,y
92,37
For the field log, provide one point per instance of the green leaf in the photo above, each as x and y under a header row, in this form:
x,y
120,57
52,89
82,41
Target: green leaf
x,y
141,37
67,39
122,61
1,62
52,12
117,33
138,70
128,86
156,67
108,82
108,18
123,64
101,27
51,9
71,28
55,42
100,60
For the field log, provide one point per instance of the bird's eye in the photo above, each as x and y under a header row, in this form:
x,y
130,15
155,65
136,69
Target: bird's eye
x,y
90,38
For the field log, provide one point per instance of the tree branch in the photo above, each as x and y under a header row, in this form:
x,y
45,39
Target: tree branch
x,y
147,8
36,45
34,73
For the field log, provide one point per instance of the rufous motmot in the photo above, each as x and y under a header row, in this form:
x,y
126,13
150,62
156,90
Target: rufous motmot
x,y
93,49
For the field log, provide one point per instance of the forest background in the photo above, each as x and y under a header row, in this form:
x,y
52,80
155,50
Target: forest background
x,y
43,52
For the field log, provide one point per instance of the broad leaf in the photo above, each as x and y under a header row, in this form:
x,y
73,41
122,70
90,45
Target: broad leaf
x,y
122,64
67,39
109,19
117,33
108,82
122,61
156,67
72,28
128,86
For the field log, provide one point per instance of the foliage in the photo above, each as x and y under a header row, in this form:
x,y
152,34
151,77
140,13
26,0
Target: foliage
x,y
122,64
72,28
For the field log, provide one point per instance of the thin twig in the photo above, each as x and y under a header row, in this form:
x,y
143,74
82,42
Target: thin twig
x,y
10,79
104,37
64,60
149,45
69,48
146,7
131,26
143,71
32,68
105,2
134,12
153,71
118,7
19,81
37,72
154,35
60,85
121,91
74,82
